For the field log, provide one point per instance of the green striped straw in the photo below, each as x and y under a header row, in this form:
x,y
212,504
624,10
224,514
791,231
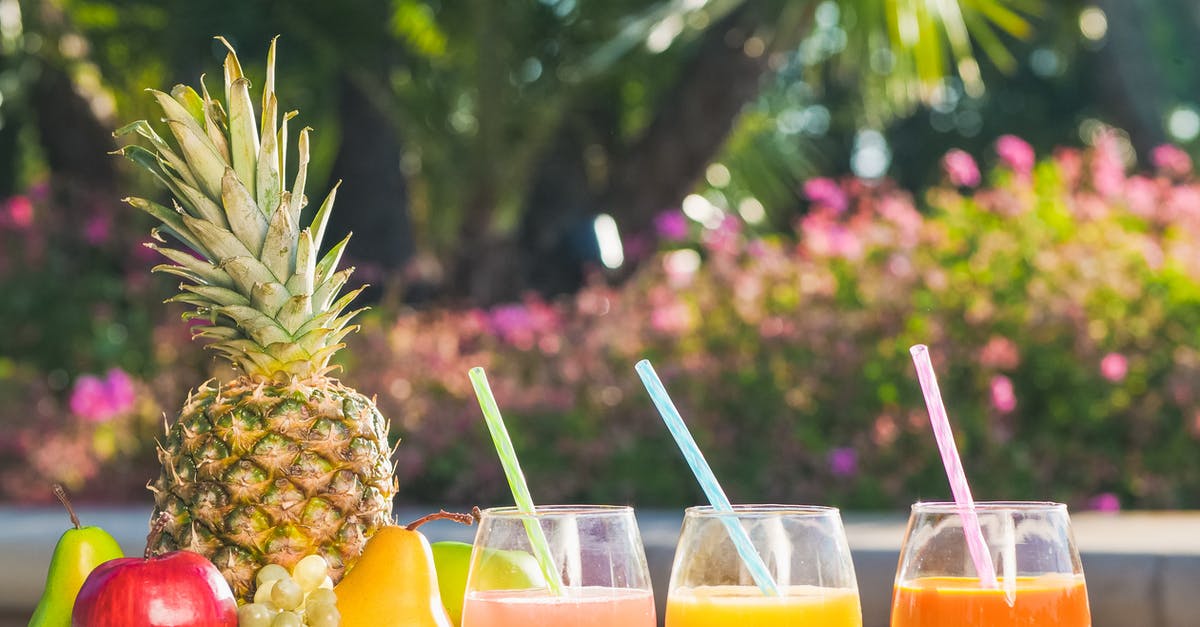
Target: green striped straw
x,y
516,478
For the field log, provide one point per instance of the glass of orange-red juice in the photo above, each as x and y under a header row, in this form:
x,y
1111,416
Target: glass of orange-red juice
x,y
596,551
1039,577
804,549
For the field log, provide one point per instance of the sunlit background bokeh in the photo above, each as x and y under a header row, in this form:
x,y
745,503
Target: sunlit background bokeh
x,y
772,199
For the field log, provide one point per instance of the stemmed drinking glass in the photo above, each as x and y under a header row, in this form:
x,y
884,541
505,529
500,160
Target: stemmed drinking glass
x,y
1038,579
806,554
596,554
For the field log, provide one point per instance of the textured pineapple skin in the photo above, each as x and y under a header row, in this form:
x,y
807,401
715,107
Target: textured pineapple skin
x,y
258,472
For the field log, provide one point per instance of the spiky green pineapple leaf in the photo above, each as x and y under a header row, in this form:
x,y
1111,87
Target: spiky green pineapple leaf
x,y
271,303
190,100
245,220
268,297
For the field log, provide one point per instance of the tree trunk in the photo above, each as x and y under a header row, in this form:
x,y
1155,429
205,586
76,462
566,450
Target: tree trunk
x,y
1128,77
73,139
373,199
693,120
653,172
557,238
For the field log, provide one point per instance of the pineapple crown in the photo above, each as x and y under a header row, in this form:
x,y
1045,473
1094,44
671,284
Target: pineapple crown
x,y
261,296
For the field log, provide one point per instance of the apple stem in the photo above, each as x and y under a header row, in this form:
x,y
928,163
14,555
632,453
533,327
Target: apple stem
x,y
157,526
462,519
62,496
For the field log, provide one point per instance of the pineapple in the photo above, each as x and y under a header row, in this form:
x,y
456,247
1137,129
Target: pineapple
x,y
284,461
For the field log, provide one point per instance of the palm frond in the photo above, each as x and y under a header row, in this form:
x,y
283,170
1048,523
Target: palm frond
x,y
924,42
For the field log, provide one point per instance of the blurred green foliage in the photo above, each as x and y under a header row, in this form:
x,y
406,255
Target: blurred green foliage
x,y
784,344
1061,305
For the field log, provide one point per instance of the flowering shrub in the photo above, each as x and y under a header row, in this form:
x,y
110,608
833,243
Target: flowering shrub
x,y
76,305
1060,300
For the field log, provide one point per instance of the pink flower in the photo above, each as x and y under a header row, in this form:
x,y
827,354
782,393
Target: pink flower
x,y
1108,167
1001,353
960,168
1182,202
97,229
843,462
1141,194
824,236
671,319
20,212
519,323
1003,398
899,210
1105,502
1016,153
1070,165
1114,367
825,192
757,248
671,226
1171,160
99,400
512,323
120,390
726,239
885,430
88,398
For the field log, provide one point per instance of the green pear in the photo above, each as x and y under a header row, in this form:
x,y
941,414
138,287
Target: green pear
x,y
79,551
498,570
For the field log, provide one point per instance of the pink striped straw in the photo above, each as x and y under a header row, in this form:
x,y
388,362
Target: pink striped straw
x,y
976,543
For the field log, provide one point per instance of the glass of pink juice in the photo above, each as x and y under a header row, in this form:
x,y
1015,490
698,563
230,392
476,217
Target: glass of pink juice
x,y
596,552
804,549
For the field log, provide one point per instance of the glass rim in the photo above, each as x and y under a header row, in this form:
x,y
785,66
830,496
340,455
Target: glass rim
x,y
760,510
950,507
556,511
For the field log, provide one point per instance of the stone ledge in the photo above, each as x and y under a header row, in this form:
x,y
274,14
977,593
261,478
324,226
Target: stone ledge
x,y
1142,568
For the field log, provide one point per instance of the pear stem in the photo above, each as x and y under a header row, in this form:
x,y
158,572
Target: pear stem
x,y
462,519
62,496
157,526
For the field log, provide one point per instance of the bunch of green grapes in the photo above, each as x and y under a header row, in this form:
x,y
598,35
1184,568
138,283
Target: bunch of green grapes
x,y
302,597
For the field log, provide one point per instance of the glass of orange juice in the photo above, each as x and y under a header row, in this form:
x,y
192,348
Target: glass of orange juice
x,y
804,549
596,551
1039,578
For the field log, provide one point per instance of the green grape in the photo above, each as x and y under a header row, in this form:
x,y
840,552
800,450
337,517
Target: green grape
x,y
287,619
322,596
286,594
254,615
271,572
310,572
327,584
322,615
263,594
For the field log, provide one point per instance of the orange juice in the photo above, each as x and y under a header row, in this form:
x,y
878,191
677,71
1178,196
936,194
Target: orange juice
x,y
746,606
579,607
1046,601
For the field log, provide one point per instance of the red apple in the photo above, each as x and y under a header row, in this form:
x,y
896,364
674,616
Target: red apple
x,y
177,589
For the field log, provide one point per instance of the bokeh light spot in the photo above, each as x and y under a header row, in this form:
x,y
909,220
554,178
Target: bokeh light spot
x,y
1093,23
1183,123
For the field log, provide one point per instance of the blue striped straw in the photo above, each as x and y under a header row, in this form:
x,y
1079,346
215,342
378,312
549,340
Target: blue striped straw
x,y
708,481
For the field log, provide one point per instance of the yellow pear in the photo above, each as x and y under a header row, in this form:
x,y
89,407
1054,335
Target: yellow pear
x,y
394,583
